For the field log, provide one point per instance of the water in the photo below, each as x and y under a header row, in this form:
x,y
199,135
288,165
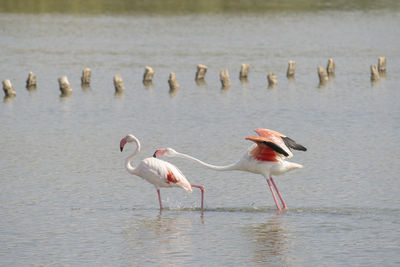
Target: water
x,y
66,198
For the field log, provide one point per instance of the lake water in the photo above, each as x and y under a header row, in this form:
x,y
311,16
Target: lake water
x,y
67,200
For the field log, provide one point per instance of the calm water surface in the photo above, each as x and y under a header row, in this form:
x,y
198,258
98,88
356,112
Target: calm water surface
x,y
66,198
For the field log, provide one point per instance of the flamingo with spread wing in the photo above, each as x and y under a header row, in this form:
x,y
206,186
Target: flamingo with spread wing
x,y
266,157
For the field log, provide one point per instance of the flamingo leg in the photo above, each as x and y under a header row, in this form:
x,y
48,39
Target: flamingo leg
x,y
202,193
159,198
279,194
273,195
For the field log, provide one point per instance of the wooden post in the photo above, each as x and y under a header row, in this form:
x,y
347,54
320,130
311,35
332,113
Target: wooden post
x,y
323,75
8,89
65,87
244,72
330,68
118,84
201,72
148,75
374,73
31,81
85,79
291,69
173,82
272,80
382,65
224,77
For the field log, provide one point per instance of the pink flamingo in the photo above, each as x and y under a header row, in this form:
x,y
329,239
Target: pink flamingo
x,y
266,157
157,172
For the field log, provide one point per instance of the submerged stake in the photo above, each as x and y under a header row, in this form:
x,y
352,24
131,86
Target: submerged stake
x,y
374,73
382,64
330,68
272,80
65,87
86,75
148,75
173,82
224,77
201,72
323,75
8,89
118,84
31,81
244,71
291,69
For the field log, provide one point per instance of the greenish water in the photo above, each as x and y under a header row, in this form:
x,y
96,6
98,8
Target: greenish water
x,y
190,6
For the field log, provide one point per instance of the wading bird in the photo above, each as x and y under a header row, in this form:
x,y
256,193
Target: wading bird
x,y
266,157
157,172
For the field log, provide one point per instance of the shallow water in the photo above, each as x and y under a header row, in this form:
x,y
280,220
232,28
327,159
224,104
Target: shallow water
x,y
66,198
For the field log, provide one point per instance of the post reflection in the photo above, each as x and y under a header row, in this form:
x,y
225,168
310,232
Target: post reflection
x,y
173,92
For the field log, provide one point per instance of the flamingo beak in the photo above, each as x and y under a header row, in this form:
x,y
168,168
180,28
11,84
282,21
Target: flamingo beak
x,y
122,143
155,154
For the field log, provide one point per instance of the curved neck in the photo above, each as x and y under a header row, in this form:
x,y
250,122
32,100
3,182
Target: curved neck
x,y
128,164
234,166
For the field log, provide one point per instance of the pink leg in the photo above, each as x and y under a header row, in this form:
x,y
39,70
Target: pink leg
x,y
273,194
159,198
202,193
279,194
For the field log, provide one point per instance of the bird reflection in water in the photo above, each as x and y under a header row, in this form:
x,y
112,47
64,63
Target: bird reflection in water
x,y
270,241
169,240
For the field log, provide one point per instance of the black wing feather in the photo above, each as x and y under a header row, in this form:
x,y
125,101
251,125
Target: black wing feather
x,y
290,143
276,148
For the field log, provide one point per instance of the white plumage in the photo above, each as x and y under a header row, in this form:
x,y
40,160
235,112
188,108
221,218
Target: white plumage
x,y
161,174
157,172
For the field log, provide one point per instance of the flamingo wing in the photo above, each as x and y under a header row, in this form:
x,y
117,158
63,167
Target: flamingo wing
x,y
280,138
266,149
292,144
268,133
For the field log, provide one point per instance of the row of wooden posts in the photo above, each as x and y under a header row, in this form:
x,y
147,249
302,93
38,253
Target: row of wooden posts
x,y
66,89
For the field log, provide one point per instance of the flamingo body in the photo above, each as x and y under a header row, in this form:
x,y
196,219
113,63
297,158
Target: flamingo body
x,y
161,174
156,171
266,157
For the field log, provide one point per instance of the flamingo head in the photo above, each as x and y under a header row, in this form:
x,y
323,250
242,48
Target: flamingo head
x,y
126,139
167,152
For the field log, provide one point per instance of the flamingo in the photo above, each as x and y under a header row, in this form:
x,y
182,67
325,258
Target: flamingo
x,y
157,172
266,157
